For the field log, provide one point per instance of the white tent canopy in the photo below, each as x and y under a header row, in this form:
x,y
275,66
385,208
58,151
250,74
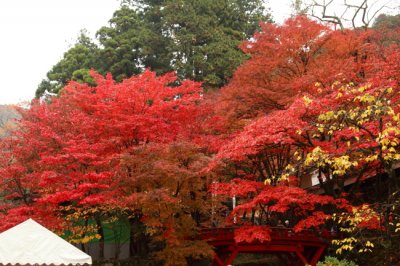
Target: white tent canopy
x,y
29,243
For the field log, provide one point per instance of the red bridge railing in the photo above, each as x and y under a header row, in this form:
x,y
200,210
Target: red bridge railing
x,y
293,248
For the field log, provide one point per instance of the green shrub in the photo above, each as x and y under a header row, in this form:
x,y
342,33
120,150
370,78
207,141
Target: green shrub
x,y
332,261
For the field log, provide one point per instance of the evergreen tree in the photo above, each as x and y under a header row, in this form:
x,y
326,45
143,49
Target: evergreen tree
x,y
74,65
198,39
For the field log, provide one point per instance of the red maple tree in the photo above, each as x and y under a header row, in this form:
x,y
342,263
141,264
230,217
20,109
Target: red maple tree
x,y
111,151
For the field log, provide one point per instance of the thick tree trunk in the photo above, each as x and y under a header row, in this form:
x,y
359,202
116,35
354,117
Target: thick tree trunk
x,y
138,245
100,231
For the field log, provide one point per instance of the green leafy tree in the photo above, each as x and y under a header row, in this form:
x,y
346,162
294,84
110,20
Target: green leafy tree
x,y
198,39
206,35
387,21
74,65
132,42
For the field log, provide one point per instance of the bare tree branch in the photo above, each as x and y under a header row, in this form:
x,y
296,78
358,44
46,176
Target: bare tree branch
x,y
326,18
363,12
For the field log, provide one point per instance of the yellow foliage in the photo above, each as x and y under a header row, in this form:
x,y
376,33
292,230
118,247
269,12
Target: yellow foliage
x,y
320,158
307,101
350,225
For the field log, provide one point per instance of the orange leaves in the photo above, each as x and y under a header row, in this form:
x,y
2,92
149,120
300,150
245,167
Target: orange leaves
x,y
278,128
313,104
79,149
285,61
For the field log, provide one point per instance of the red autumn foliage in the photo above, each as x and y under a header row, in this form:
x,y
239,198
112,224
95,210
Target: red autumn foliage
x,y
307,87
262,204
285,62
107,151
139,149
251,234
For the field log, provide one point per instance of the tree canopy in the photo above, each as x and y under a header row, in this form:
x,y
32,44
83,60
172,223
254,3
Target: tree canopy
x,y
127,149
318,104
197,39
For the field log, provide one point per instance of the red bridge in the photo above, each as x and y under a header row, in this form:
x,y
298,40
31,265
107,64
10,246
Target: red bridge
x,y
302,248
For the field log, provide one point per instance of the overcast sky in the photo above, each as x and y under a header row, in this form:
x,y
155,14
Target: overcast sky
x,y
36,33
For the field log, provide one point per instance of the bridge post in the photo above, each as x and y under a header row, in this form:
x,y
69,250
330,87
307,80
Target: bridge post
x,y
301,257
318,255
225,258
